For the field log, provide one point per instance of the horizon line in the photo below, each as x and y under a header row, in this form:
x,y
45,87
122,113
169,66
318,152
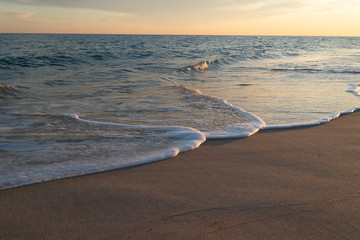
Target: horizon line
x,y
173,34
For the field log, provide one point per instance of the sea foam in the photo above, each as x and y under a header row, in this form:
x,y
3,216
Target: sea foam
x,y
246,125
84,147
314,123
354,89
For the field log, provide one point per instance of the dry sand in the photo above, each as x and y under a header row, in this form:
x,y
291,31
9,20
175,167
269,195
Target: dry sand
x,y
302,183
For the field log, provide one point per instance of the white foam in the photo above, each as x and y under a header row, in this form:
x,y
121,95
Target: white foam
x,y
185,138
177,129
234,131
315,123
354,89
201,66
108,157
238,130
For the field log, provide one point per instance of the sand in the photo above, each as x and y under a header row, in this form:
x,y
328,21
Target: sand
x,y
302,183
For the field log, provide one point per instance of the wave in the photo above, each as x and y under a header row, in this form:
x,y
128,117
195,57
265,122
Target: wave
x,y
296,70
98,147
310,70
312,124
6,91
38,61
354,89
199,67
55,60
249,125
344,71
205,65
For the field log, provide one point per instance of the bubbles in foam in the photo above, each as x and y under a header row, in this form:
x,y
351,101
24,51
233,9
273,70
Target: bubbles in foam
x,y
220,119
57,146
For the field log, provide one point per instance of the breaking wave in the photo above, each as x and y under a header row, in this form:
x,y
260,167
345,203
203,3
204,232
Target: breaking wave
x,y
205,65
202,66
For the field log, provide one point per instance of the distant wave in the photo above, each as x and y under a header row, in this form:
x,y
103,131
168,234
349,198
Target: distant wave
x,y
296,70
6,91
344,71
205,65
38,61
57,59
314,70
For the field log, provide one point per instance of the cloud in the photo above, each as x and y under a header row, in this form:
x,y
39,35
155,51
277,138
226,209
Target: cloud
x,y
185,12
176,6
107,5
16,14
335,5
244,10
258,8
138,7
175,9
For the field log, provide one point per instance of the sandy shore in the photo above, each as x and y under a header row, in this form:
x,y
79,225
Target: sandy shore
x,y
302,183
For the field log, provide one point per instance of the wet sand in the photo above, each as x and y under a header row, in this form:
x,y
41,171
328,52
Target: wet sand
x,y
302,183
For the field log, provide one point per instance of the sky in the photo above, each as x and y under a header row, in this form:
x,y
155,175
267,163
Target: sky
x,y
193,17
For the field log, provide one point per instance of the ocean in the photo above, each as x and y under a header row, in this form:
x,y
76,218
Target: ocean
x,y
79,104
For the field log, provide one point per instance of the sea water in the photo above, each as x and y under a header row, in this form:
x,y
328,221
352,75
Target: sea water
x,y
80,104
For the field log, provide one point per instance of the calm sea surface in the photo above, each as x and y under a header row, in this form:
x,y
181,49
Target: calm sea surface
x,y
78,104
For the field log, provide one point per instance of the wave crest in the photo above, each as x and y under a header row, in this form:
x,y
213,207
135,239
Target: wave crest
x,y
6,91
199,67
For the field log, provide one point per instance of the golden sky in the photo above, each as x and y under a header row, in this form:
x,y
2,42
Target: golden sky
x,y
219,17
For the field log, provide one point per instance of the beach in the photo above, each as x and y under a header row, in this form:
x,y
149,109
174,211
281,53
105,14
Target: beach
x,y
300,183
85,109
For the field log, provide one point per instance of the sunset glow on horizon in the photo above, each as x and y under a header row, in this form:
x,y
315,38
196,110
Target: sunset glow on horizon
x,y
211,17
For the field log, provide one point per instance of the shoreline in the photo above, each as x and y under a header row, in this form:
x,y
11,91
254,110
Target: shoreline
x,y
274,128
298,183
